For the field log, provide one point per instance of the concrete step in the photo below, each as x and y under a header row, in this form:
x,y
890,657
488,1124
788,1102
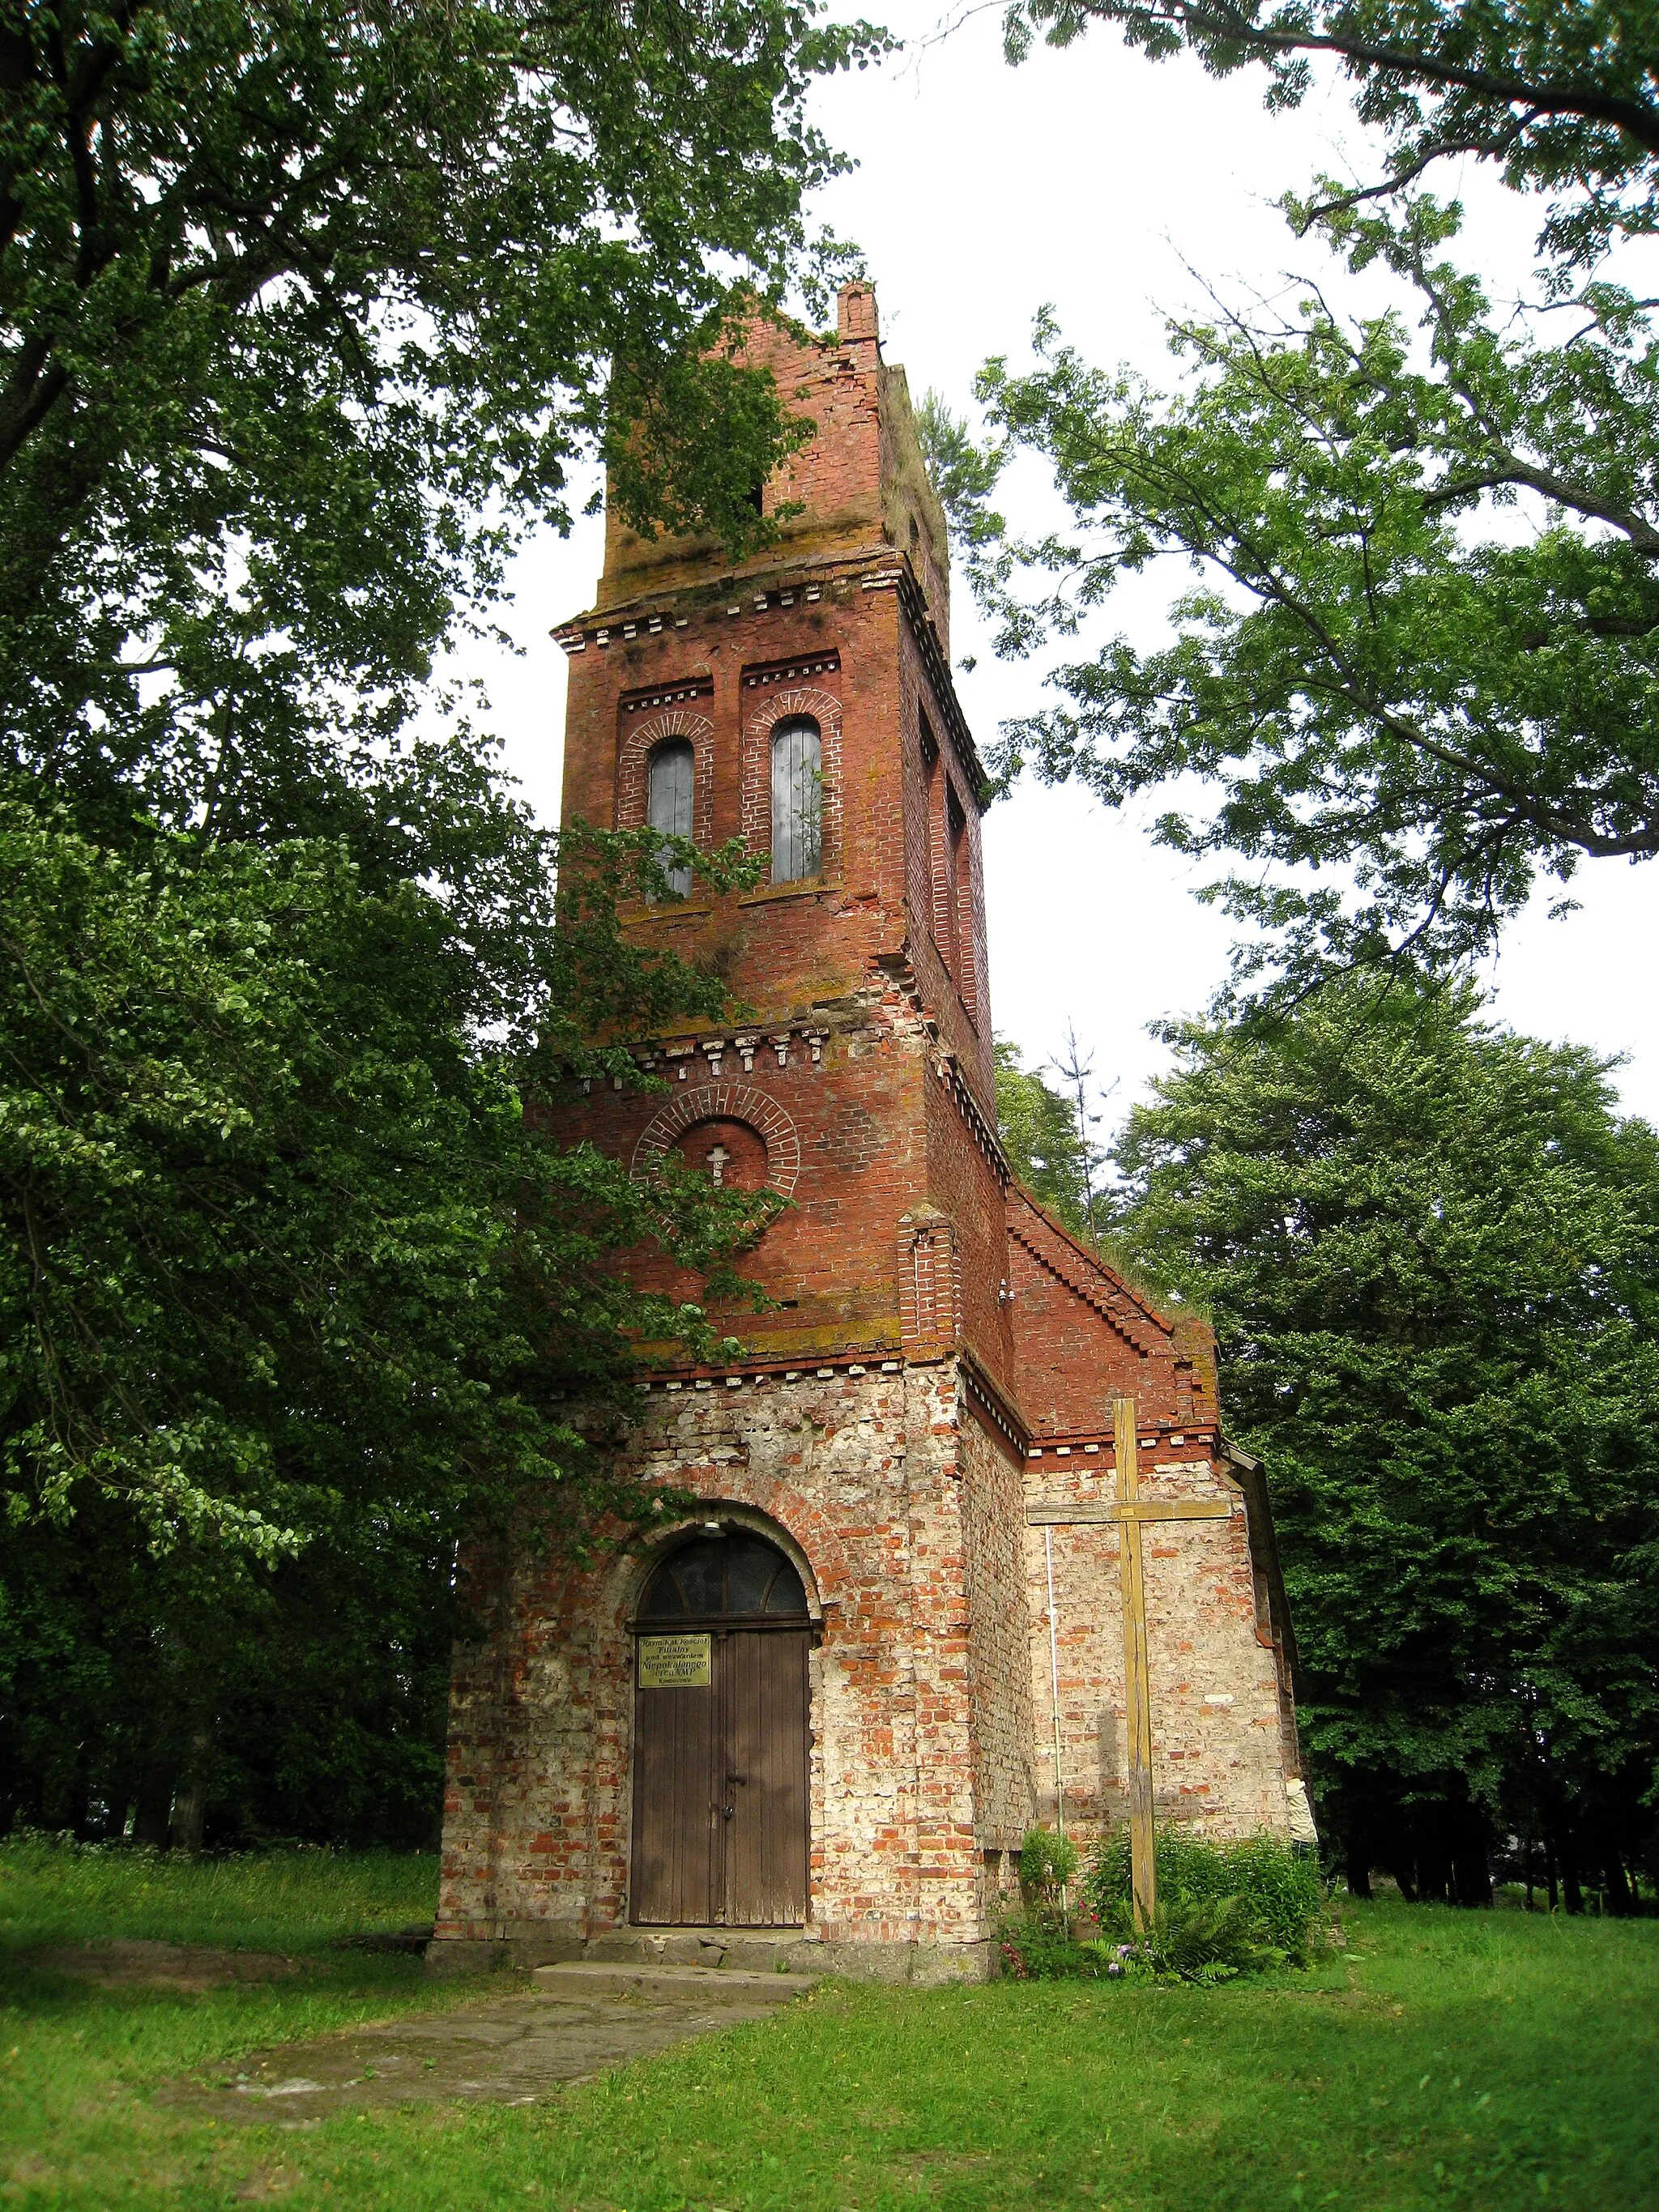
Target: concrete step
x,y
757,1949
701,1984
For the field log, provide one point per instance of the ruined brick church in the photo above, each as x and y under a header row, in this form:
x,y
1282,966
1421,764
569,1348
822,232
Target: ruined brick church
x,y
823,1711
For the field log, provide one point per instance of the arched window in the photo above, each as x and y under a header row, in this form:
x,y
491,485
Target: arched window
x,y
717,1577
797,800
670,806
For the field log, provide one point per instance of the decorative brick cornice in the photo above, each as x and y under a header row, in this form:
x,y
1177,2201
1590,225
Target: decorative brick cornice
x,y
980,1127
875,568
667,695
1161,1444
994,1408
787,584
804,1367
798,670
914,601
783,1045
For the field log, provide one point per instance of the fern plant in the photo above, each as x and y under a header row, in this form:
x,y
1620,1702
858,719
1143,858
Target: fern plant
x,y
1189,1940
1277,1893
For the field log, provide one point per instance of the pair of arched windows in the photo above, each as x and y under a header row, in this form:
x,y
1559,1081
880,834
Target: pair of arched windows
x,y
797,800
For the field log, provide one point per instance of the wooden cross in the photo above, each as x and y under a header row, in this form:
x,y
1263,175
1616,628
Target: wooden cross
x,y
1130,1511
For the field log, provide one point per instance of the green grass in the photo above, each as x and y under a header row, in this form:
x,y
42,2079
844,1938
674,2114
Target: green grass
x,y
248,1901
1483,2060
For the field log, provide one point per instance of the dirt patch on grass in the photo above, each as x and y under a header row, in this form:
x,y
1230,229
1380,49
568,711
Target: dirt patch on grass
x,y
123,1964
265,2184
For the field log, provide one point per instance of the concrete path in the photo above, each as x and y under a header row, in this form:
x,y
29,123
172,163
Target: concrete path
x,y
514,2049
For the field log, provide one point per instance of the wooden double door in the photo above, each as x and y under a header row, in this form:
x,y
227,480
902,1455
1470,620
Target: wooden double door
x,y
720,1766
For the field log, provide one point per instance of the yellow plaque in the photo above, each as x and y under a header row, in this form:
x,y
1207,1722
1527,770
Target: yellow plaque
x,y
675,1662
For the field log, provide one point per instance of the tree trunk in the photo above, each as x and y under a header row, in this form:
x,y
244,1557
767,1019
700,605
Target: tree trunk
x,y
1403,1870
1612,1877
189,1806
149,1824
1434,1859
1357,1866
1572,1895
1470,1869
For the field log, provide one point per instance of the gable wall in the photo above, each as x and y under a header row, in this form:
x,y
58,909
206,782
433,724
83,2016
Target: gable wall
x,y
1222,1730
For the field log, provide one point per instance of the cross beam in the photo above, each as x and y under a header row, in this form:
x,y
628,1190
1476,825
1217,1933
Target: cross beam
x,y
1132,1512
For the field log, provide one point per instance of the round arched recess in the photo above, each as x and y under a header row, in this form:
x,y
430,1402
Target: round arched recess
x,y
731,1575
723,1102
724,1517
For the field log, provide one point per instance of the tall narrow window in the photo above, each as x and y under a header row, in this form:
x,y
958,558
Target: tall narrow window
x,y
670,810
797,800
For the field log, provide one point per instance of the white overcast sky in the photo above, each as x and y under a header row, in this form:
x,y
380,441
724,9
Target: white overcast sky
x,y
1107,186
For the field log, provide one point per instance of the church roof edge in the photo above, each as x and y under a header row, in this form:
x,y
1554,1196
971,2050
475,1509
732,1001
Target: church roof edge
x,y
1137,1297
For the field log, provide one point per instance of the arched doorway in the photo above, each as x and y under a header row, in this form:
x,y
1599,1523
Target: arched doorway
x,y
720,1737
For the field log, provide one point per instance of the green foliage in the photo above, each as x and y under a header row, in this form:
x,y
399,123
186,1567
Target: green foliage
x,y
1035,1942
294,1293
1374,671
1432,1251
277,1228
962,473
1253,1901
1188,1939
1556,97
329,312
1047,1861
1223,1909
307,313
1420,647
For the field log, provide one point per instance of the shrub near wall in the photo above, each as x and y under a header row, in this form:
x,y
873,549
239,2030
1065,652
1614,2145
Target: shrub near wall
x,y
1280,1905
1224,1909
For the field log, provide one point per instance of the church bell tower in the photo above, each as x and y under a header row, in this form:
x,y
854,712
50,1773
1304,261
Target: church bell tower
x,y
802,1720
804,702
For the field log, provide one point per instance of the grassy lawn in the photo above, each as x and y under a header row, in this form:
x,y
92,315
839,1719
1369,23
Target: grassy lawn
x,y
1487,2060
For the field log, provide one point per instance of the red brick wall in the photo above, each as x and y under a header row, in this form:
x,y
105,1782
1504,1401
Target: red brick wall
x,y
1082,1339
840,622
